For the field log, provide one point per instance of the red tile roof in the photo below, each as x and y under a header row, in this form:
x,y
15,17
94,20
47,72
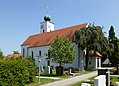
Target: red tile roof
x,y
13,56
48,37
93,53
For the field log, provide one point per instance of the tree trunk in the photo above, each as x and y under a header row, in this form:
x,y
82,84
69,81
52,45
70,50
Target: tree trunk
x,y
87,58
60,63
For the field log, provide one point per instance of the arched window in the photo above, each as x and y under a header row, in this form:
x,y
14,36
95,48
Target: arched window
x,y
23,52
40,53
48,53
32,54
43,30
48,62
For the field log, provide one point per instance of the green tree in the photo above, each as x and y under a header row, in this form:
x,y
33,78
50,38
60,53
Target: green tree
x,y
61,51
116,51
111,34
91,38
1,53
15,52
113,47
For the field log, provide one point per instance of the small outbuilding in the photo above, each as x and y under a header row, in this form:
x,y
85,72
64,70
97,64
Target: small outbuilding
x,y
94,59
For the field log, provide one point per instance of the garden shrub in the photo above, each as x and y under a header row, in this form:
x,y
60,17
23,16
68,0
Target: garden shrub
x,y
117,65
32,68
16,71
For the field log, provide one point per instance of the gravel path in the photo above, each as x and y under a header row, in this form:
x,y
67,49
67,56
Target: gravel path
x,y
70,81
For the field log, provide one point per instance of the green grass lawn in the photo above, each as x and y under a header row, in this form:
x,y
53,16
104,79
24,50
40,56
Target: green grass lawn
x,y
42,81
114,79
54,75
84,72
90,81
77,72
79,83
45,81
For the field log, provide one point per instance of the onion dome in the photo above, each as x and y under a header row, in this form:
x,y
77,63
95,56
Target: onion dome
x,y
47,17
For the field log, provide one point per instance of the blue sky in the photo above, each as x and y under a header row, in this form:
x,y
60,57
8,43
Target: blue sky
x,y
21,18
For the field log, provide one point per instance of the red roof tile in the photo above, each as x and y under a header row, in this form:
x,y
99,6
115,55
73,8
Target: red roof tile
x,y
48,37
13,55
93,53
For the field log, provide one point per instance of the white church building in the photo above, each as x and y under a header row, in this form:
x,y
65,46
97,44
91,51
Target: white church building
x,y
39,44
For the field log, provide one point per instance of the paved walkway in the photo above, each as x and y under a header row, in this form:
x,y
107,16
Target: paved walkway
x,y
70,81
55,78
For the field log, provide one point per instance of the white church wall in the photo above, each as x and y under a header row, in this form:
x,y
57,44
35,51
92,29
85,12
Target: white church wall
x,y
44,51
74,64
24,50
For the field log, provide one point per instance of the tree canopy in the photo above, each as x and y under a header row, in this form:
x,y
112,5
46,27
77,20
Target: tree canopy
x,y
91,38
111,34
15,52
113,47
1,53
61,51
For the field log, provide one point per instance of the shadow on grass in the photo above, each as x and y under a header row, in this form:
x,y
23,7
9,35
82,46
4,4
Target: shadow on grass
x,y
49,75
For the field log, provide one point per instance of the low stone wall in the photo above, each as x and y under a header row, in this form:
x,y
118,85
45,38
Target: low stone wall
x,y
100,80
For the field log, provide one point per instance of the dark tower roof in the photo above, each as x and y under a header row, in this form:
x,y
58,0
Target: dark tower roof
x,y
47,17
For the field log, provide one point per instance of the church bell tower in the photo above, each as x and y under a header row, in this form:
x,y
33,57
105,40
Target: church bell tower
x,y
46,26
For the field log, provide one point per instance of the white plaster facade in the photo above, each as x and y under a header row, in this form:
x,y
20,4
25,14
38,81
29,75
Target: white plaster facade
x,y
46,26
94,62
34,53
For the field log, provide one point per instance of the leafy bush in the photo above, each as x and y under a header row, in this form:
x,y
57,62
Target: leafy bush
x,y
16,71
1,53
117,65
32,68
12,72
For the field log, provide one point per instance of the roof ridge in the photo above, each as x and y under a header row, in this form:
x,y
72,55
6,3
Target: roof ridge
x,y
47,37
60,29
73,26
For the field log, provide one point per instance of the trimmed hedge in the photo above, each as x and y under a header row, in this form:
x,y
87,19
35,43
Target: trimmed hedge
x,y
32,68
16,71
